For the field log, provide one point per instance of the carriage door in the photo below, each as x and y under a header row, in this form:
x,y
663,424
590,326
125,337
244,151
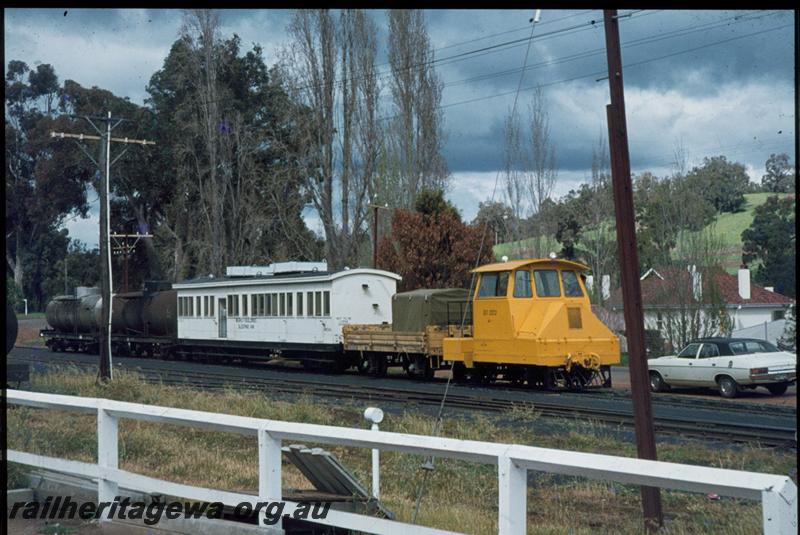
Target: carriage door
x,y
223,318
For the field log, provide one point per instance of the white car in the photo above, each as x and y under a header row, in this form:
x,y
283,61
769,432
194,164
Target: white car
x,y
729,364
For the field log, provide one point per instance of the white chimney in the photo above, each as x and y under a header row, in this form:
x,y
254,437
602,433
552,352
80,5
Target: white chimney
x,y
744,283
605,286
697,285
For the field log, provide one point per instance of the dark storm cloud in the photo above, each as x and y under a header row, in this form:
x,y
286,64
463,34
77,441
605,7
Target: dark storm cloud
x,y
719,82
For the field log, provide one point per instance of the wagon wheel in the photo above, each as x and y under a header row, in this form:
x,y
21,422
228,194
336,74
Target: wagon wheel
x,y
363,364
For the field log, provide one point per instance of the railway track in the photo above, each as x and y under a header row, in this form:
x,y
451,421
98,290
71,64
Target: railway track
x,y
767,426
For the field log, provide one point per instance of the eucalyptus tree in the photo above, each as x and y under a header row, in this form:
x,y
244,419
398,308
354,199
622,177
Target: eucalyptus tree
x,y
331,61
414,134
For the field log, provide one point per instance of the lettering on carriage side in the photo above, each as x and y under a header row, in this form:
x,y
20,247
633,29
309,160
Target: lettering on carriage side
x,y
490,312
245,323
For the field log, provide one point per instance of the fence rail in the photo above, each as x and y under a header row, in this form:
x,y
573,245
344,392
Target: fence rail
x,y
777,494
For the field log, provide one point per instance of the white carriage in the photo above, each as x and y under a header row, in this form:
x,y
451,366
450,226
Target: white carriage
x,y
288,307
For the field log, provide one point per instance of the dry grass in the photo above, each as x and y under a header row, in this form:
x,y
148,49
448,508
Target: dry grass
x,y
459,496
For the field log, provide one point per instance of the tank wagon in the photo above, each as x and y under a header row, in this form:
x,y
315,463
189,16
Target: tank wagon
x,y
532,322
141,322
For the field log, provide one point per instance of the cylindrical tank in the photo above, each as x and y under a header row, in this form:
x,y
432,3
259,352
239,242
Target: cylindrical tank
x,y
160,313
132,314
66,313
152,314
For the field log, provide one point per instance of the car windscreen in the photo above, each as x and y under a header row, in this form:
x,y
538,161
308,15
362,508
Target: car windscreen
x,y
689,352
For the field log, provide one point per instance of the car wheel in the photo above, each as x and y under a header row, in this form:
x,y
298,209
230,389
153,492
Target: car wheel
x,y
728,387
777,389
657,383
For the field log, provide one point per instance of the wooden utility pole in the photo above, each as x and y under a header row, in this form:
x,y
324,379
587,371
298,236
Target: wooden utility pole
x,y
126,249
375,207
106,288
629,260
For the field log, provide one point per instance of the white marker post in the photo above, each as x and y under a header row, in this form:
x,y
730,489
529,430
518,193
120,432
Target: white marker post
x,y
375,415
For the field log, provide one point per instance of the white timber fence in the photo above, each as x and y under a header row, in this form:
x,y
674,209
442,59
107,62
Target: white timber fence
x,y
777,494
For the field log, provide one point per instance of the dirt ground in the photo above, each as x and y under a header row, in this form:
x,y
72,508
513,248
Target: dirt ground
x,y
28,331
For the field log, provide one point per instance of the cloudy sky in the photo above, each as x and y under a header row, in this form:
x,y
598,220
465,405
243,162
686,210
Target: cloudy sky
x,y
715,82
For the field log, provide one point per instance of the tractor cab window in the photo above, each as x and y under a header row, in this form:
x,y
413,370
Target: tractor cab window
x,y
572,288
522,284
493,284
547,283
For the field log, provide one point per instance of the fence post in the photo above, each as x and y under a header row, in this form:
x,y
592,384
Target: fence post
x,y
512,482
269,472
779,509
107,455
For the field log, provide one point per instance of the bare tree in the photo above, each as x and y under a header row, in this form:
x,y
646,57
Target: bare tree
x,y
415,136
599,244
680,158
696,308
513,173
542,171
339,127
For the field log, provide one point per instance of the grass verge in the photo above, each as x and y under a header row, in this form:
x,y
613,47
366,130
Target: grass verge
x,y
458,496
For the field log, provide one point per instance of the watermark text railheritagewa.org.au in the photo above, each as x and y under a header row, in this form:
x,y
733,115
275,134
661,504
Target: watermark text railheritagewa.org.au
x,y
65,508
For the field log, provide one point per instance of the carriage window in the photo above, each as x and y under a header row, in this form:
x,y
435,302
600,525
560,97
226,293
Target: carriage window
x,y
289,307
494,284
180,306
572,288
326,303
244,306
283,304
299,303
310,303
233,305
211,300
318,303
522,284
197,312
546,283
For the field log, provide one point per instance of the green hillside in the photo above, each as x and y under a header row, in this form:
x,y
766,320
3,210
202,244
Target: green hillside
x,y
729,228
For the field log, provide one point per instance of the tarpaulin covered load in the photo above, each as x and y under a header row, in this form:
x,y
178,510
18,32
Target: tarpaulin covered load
x,y
414,310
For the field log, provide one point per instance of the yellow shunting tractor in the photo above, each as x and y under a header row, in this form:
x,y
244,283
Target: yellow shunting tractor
x,y
532,321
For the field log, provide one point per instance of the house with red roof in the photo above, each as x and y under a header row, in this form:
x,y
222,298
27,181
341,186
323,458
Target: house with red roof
x,y
703,302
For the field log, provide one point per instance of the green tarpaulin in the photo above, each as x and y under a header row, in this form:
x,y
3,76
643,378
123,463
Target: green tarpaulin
x,y
413,311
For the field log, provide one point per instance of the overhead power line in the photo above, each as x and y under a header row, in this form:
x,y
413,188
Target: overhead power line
x,y
603,72
600,51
